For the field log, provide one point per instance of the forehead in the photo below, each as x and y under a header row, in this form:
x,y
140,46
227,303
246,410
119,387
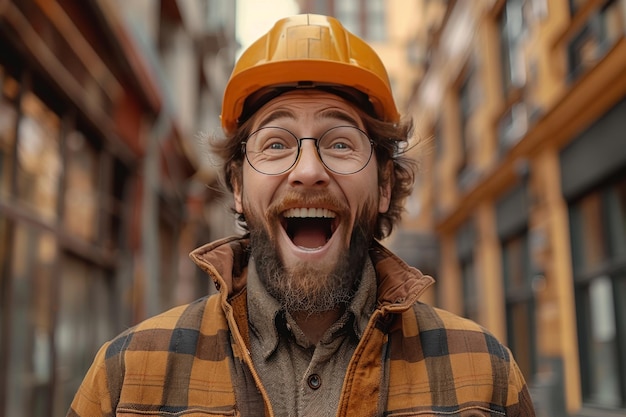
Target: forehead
x,y
307,105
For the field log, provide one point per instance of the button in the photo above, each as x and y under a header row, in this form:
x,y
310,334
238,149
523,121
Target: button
x,y
314,381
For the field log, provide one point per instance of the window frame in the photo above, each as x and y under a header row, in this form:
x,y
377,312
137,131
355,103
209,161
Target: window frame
x,y
612,268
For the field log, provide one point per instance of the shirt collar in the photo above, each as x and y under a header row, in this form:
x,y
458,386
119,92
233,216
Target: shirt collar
x,y
266,317
263,311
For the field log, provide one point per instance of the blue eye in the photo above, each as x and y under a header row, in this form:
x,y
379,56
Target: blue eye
x,y
340,145
276,146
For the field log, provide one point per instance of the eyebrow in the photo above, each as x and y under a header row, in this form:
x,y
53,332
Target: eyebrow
x,y
337,114
278,114
325,114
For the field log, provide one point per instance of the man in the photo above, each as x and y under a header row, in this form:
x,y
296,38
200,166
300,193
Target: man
x,y
313,317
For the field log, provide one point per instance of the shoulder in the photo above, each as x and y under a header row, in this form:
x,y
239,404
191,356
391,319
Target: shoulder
x,y
463,360
143,360
452,334
172,330
430,317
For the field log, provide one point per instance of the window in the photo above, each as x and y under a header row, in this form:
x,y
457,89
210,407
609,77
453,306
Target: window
x,y
85,321
466,241
603,28
598,234
168,244
469,97
8,123
30,331
364,18
348,12
513,126
512,28
375,20
61,213
81,187
471,301
512,214
513,23
39,157
535,10
519,298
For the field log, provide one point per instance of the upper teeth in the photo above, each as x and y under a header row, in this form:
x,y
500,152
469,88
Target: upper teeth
x,y
309,212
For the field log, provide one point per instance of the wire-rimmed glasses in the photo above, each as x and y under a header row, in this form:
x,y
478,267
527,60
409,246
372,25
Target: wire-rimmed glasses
x,y
275,150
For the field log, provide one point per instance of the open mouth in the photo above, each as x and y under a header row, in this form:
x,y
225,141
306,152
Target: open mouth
x,y
309,228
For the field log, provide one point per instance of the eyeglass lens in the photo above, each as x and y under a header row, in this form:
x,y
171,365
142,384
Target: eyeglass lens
x,y
342,149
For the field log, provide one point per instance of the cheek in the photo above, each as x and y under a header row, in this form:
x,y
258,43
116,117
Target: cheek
x,y
365,196
256,192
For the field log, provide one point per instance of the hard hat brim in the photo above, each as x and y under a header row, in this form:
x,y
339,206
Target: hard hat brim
x,y
312,72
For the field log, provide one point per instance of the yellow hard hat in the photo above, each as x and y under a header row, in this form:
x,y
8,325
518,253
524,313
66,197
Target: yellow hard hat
x,y
307,51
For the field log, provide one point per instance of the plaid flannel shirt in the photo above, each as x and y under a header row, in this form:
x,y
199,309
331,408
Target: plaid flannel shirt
x,y
413,359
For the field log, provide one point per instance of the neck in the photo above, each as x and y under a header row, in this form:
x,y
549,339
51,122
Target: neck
x,y
315,325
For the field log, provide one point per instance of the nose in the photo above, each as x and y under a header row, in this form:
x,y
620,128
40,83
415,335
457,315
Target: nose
x,y
309,169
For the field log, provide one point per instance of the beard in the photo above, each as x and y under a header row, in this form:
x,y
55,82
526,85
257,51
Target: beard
x,y
312,287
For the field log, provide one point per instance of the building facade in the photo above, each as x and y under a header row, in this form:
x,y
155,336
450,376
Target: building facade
x,y
521,112
102,181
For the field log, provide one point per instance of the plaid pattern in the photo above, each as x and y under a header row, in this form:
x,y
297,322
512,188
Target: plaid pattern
x,y
413,360
446,365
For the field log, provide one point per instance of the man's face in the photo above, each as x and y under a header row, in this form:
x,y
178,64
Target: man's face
x,y
310,228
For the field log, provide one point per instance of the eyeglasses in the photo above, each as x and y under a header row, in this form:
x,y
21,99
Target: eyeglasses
x,y
275,150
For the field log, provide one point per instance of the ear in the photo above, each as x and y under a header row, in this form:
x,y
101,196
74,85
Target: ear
x,y
237,194
384,198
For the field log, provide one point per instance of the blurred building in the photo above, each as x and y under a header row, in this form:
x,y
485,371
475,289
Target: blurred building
x,y
102,177
521,112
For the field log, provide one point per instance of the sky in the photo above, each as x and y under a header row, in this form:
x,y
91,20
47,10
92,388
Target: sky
x,y
255,17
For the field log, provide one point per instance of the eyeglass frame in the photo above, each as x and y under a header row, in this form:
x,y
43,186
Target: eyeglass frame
x,y
317,149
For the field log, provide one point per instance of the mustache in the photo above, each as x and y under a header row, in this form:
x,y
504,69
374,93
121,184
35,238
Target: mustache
x,y
307,199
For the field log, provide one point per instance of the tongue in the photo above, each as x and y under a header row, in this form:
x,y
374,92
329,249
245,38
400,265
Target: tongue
x,y
309,236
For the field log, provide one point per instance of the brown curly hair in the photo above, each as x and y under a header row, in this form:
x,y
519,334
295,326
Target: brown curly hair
x,y
391,143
